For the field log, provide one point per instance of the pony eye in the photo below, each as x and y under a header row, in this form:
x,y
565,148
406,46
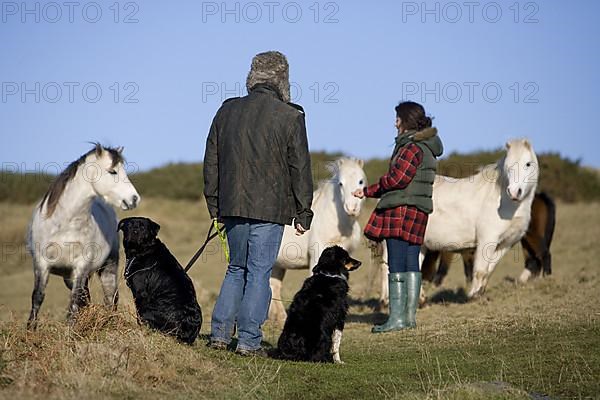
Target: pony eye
x,y
528,165
112,172
361,182
341,184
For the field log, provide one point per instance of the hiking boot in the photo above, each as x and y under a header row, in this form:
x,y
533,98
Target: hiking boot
x,y
260,352
217,345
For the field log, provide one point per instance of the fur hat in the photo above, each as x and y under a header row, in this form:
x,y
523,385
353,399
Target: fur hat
x,y
271,68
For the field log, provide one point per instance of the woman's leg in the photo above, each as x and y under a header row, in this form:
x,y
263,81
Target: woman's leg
x,y
412,257
397,255
397,261
413,284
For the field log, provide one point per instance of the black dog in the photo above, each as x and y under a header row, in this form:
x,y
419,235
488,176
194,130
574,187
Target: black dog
x,y
164,294
313,328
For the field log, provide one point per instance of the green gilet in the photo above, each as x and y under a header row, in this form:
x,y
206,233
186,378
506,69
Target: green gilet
x,y
419,191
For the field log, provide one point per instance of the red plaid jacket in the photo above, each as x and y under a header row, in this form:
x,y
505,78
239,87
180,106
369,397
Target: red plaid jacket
x,y
404,222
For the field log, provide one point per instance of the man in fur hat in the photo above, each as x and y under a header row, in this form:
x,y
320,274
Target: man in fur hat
x,y
257,178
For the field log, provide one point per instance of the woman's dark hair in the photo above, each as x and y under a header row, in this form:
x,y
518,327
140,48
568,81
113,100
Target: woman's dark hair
x,y
413,116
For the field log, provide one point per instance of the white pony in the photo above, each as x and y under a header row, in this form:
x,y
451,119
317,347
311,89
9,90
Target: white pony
x,y
73,231
489,211
335,222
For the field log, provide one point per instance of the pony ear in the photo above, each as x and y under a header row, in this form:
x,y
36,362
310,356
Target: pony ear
x,y
507,145
99,150
527,143
121,224
120,149
361,163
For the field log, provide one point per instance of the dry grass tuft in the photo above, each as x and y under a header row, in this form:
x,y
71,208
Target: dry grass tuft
x,y
95,319
104,352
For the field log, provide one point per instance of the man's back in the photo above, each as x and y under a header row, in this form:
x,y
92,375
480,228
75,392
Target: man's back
x,y
262,164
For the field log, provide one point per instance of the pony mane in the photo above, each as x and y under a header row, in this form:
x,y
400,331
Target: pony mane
x,y
58,185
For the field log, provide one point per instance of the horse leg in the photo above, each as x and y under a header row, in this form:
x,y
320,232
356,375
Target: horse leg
x,y
533,262
422,293
468,257
443,268
69,284
547,263
531,266
428,266
483,268
479,274
108,274
531,243
80,295
384,297
40,280
277,310
87,298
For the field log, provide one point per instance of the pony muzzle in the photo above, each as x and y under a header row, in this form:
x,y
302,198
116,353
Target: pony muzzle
x,y
353,212
515,197
132,203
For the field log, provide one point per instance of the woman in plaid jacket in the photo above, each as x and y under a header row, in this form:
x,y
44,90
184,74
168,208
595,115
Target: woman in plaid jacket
x,y
401,214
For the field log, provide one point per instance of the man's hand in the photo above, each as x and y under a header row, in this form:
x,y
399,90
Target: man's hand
x,y
358,193
300,230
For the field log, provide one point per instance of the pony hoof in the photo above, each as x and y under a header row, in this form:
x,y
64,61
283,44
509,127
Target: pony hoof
x,y
525,276
474,296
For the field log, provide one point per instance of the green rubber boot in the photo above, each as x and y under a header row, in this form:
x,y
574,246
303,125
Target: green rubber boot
x,y
397,319
413,288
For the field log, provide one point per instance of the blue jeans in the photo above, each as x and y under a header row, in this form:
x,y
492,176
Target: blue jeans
x,y
402,256
245,293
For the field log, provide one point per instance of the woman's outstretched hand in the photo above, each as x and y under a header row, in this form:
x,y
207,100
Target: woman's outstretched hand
x,y
358,193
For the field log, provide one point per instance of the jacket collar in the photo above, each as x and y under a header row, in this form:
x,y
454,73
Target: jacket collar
x,y
414,136
427,136
266,88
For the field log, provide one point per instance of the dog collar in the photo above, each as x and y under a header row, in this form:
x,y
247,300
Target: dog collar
x,y
127,275
342,277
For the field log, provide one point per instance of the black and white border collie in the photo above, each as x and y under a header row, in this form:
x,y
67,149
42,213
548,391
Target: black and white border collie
x,y
315,321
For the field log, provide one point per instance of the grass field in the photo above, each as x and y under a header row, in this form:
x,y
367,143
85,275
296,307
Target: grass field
x,y
527,341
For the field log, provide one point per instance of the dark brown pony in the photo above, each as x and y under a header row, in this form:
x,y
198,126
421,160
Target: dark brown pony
x,y
535,243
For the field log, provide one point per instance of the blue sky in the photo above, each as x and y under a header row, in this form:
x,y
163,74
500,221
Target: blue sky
x,y
487,72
